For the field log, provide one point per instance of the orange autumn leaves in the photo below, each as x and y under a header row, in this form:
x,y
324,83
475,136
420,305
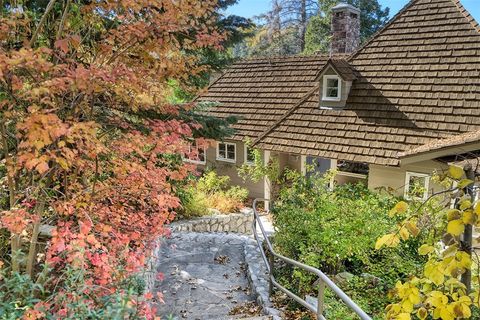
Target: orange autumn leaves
x,y
89,137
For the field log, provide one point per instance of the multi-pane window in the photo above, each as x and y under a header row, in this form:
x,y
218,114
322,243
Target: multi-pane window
x,y
226,151
416,185
249,155
196,154
332,87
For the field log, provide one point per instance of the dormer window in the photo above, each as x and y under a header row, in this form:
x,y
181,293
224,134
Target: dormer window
x,y
332,88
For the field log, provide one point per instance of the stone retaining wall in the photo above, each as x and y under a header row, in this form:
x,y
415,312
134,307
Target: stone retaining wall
x,y
235,223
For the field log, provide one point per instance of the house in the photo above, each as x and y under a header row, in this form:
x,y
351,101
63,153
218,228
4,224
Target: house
x,y
387,113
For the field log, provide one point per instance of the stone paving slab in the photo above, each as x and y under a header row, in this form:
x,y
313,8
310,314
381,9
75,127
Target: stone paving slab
x,y
205,276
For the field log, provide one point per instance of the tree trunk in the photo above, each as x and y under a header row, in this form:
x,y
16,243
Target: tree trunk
x,y
468,235
303,24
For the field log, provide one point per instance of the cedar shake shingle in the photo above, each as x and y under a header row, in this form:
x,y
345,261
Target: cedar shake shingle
x,y
418,81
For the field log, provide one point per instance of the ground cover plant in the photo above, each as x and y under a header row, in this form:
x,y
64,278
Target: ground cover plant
x,y
89,146
336,231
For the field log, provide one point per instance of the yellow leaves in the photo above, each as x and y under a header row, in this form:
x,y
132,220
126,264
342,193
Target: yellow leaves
x,y
404,234
454,214
399,208
469,217
403,316
389,240
434,272
465,204
456,172
461,308
456,227
464,183
425,249
412,228
422,313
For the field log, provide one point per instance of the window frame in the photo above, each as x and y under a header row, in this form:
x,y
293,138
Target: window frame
x,y
246,155
199,162
426,186
325,87
234,160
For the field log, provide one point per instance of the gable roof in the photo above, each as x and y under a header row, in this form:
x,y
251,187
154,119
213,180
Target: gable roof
x,y
260,91
341,67
418,80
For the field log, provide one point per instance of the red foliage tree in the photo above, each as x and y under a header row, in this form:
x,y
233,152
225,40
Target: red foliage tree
x,y
76,86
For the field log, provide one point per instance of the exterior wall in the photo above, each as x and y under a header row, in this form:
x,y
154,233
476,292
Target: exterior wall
x,y
230,169
394,177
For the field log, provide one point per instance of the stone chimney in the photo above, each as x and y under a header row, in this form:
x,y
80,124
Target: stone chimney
x,y
345,29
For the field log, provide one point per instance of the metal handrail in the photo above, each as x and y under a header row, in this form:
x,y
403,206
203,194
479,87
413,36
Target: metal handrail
x,y
323,279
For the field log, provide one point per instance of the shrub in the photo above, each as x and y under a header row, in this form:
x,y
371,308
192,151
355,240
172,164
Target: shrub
x,y
21,297
336,232
211,192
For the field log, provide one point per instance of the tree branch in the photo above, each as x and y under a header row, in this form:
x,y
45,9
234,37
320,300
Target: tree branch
x,y
42,21
64,18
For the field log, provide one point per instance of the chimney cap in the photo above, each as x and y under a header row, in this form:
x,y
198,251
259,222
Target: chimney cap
x,y
342,6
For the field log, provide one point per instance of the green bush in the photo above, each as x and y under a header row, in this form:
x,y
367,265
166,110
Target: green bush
x,y
211,192
20,296
336,232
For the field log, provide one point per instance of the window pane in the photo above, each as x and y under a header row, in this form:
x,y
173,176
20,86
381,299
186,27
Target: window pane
x,y
231,151
221,151
250,155
332,92
416,186
201,154
332,83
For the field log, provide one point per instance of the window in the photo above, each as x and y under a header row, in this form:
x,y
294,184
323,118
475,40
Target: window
x,y
226,151
332,88
416,185
196,154
249,155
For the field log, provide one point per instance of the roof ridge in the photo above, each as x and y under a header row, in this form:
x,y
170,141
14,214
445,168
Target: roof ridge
x,y
293,56
457,3
377,34
286,114
467,15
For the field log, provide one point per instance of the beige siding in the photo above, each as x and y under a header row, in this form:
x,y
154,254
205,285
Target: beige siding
x,y
230,169
394,177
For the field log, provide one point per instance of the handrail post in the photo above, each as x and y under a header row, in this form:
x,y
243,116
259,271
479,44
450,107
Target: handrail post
x,y
271,260
320,299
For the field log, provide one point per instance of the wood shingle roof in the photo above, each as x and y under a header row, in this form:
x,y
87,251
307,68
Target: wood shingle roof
x,y
418,80
260,91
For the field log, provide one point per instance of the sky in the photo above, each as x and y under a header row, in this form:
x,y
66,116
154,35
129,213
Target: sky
x,y
251,8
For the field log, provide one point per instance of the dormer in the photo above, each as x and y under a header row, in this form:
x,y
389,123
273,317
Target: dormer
x,y
336,80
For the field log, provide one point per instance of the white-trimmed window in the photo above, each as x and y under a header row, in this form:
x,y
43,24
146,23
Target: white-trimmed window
x,y
332,88
249,155
226,151
196,154
416,185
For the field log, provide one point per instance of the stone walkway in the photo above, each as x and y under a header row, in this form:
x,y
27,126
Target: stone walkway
x,y
205,276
